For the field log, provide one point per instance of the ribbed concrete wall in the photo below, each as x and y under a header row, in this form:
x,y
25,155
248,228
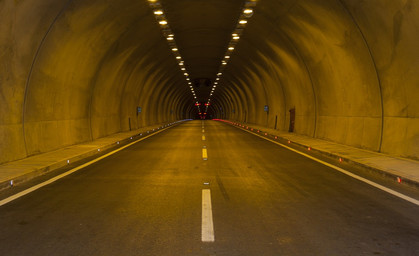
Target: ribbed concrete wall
x,y
348,67
75,70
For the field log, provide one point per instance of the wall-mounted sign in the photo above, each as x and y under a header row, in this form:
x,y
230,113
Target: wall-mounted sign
x,y
266,108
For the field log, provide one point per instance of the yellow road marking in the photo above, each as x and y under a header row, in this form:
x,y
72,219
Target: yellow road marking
x,y
204,154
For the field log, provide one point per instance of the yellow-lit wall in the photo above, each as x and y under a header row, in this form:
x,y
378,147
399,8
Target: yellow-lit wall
x,y
348,67
72,71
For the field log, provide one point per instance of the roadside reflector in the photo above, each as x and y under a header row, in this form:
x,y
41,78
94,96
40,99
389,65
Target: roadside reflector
x,y
289,142
266,134
68,161
276,137
11,183
340,159
399,180
309,148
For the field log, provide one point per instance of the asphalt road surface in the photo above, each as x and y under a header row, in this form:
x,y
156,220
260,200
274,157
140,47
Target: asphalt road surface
x,y
250,197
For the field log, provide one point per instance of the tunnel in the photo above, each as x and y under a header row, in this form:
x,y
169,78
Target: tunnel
x,y
74,71
340,71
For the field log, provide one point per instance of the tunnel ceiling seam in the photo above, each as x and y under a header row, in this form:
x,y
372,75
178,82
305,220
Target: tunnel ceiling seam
x,y
103,61
303,60
34,60
375,69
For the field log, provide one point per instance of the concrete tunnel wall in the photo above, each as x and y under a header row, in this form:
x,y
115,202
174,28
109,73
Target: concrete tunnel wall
x,y
72,71
349,68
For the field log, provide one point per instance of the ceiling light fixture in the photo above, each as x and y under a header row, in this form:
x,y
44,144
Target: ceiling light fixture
x,y
159,13
247,12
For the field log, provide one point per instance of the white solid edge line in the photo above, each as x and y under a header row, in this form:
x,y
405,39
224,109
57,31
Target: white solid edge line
x,y
207,228
381,187
40,185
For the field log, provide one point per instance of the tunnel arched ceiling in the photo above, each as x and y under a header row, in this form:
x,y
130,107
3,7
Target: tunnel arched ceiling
x,y
75,70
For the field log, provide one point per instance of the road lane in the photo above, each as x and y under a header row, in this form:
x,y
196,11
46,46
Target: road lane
x,y
266,200
145,200
274,200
